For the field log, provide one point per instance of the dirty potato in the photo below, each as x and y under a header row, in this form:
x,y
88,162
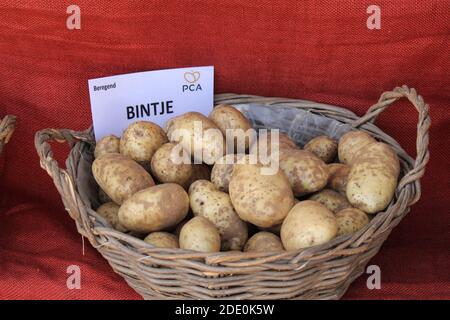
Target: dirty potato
x,y
110,211
234,126
119,176
323,147
107,144
198,135
331,199
269,141
200,234
155,208
222,169
373,177
141,140
263,242
309,223
162,240
350,220
350,143
306,172
170,163
261,199
208,202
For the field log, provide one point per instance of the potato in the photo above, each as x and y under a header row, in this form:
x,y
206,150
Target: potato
x,y
323,147
263,200
110,211
168,165
338,178
350,143
198,135
119,176
155,208
350,220
230,119
264,242
309,223
141,140
373,177
306,172
162,240
107,144
180,226
222,169
208,202
263,146
200,234
331,199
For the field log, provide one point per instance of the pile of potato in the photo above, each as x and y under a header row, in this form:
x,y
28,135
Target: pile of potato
x,y
216,206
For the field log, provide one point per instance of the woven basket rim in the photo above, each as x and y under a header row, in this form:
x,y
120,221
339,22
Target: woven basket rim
x,y
96,229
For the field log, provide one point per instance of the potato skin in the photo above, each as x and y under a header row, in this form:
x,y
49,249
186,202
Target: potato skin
x,y
227,117
155,208
323,147
338,177
308,224
333,200
306,172
208,202
350,220
222,169
141,140
119,176
166,169
110,211
199,234
373,177
264,242
107,144
211,146
162,240
350,143
263,200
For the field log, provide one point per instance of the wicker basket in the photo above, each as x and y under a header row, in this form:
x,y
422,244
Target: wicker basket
x,y
7,126
321,272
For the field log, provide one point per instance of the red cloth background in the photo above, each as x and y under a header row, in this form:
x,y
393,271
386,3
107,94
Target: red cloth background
x,y
316,50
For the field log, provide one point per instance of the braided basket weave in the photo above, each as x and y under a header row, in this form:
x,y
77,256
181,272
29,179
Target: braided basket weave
x,y
321,272
7,126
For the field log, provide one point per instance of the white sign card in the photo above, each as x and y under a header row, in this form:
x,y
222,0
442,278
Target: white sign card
x,y
156,96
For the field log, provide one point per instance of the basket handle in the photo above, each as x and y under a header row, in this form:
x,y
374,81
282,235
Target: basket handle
x,y
7,126
423,126
61,178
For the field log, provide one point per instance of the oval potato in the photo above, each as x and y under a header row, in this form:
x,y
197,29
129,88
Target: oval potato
x,y
267,141
107,144
168,165
208,202
232,122
306,172
110,211
263,200
323,147
222,169
162,240
119,176
200,234
309,223
331,199
373,178
155,208
198,135
264,242
141,140
350,220
350,143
